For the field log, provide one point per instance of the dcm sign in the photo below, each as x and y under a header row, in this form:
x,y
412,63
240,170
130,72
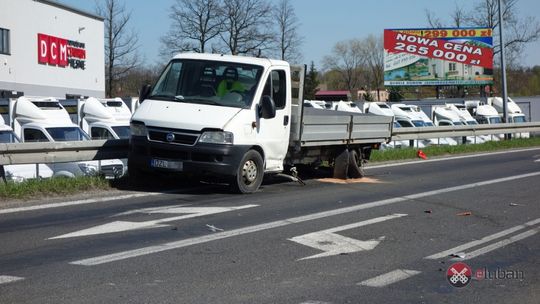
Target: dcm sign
x,y
61,52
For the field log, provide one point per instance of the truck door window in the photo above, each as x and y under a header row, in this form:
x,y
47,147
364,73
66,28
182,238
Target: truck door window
x,y
275,87
34,135
101,133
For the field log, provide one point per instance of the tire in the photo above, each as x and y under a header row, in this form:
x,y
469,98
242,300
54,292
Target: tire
x,y
249,174
341,165
356,168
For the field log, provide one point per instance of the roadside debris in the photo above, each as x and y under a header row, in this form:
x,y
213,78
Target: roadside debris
x,y
466,213
213,228
514,204
428,211
421,154
460,255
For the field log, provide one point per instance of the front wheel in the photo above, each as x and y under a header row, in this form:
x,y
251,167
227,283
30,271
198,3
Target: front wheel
x,y
249,174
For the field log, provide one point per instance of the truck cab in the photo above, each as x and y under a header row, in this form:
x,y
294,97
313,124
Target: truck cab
x,y
21,172
104,118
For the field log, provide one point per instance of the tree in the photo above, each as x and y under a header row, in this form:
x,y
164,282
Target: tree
x,y
373,48
311,82
395,94
347,59
287,40
246,26
120,44
194,24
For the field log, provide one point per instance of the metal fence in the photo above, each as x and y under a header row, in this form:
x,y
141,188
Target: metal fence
x,y
57,152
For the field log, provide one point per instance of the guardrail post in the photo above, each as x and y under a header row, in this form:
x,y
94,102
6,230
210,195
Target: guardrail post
x,y
3,174
37,171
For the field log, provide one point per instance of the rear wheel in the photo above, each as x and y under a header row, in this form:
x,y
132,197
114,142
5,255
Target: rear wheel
x,y
341,165
356,168
249,174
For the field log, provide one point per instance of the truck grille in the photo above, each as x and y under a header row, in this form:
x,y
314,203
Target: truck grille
x,y
112,170
181,137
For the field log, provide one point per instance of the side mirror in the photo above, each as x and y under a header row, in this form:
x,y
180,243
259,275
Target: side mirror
x,y
144,92
267,107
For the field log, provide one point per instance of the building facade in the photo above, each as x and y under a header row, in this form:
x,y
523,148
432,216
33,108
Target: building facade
x,y
50,49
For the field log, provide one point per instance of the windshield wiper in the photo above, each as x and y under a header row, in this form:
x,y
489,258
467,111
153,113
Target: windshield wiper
x,y
202,100
170,97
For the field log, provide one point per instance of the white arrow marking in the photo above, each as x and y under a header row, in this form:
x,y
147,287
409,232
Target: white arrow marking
x,y
334,244
120,226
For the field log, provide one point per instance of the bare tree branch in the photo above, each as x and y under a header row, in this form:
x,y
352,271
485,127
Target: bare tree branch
x,y
347,59
287,40
120,45
194,24
246,26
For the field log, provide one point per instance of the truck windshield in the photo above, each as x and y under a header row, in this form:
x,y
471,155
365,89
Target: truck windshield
x,y
8,136
122,131
67,134
520,119
208,82
418,123
494,120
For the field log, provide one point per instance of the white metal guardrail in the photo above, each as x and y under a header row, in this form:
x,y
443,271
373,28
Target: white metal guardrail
x,y
57,152
460,131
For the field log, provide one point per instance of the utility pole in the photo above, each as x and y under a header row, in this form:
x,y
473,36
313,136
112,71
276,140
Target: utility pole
x,y
503,66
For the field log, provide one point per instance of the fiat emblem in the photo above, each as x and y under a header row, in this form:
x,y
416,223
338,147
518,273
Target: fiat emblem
x,y
169,137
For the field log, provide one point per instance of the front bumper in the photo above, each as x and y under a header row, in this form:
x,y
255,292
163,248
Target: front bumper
x,y
200,158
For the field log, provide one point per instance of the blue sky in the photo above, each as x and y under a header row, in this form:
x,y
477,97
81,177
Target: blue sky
x,y
323,22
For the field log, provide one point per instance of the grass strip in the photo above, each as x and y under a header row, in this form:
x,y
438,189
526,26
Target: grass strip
x,y
51,187
411,153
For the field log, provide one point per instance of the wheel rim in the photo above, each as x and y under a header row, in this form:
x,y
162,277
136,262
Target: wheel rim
x,y
249,172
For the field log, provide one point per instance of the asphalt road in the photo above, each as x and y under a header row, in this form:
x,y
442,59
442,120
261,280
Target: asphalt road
x,y
389,238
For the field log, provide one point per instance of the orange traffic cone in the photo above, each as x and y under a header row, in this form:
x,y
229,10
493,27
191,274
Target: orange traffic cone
x,y
421,154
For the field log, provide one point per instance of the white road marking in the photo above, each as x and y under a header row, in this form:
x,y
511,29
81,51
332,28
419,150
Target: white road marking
x,y
78,202
4,279
417,162
498,244
281,223
334,244
389,278
120,226
483,240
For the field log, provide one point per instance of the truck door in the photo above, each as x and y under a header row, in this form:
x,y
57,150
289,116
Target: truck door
x,y
273,134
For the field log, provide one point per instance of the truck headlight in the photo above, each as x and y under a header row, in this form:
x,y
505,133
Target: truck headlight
x,y
217,137
137,129
88,170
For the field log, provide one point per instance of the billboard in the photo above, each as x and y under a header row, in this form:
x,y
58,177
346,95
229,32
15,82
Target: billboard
x,y
444,56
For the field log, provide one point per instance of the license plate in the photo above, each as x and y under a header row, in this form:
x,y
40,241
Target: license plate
x,y
166,164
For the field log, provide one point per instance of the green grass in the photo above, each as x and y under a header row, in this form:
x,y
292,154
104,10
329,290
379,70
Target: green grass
x,y
51,187
410,153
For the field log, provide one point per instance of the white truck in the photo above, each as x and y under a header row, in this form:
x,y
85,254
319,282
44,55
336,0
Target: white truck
x,y
346,106
241,117
36,119
104,118
22,172
514,111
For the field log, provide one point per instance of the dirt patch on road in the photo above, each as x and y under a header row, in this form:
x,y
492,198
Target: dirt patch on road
x,y
367,180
